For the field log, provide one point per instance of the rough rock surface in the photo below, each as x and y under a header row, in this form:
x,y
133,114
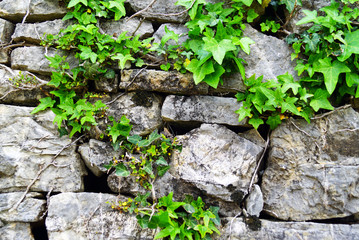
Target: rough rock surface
x,y
8,93
6,30
254,202
29,210
205,109
96,154
40,10
108,85
313,169
217,161
269,230
27,144
114,28
269,56
16,231
231,84
87,216
33,59
35,32
159,10
143,109
161,81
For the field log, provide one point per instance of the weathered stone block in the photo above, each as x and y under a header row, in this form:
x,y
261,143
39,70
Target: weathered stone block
x,y
16,230
204,109
217,161
29,210
6,30
33,59
161,81
270,230
39,10
27,144
87,216
134,26
313,169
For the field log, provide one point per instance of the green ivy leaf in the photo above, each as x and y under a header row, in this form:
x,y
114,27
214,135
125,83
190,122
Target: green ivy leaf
x,y
218,49
311,16
161,170
351,46
123,59
251,15
330,71
256,122
274,121
245,43
214,78
76,127
200,71
203,230
290,4
72,3
121,170
44,103
320,100
351,79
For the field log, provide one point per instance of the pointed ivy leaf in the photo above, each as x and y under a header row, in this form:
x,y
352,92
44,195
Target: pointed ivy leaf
x,y
256,122
246,2
121,11
251,15
200,72
330,71
76,127
44,103
169,35
203,230
311,16
135,139
161,161
121,170
288,105
214,78
290,4
304,95
243,113
60,116
162,170
218,49
245,43
289,83
351,79
72,3
123,59
320,100
274,121
351,46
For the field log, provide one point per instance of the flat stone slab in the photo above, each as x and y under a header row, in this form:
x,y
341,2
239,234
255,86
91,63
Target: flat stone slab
x,y
161,81
313,169
88,216
27,144
270,230
33,59
30,209
204,109
39,10
16,230
217,161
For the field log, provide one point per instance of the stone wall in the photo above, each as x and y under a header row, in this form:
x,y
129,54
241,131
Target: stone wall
x,y
52,187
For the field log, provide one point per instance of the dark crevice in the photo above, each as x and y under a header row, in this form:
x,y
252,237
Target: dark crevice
x,y
96,184
39,231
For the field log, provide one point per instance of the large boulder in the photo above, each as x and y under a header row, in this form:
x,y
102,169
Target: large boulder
x,y
30,209
269,56
90,216
39,10
270,230
33,59
313,169
204,109
217,161
161,81
28,143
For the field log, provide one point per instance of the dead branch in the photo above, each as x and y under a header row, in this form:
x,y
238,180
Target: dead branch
x,y
331,112
13,45
230,226
142,11
52,163
27,12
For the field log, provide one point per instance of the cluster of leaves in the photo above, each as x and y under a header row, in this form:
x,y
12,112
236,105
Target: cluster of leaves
x,y
327,62
329,51
145,159
177,220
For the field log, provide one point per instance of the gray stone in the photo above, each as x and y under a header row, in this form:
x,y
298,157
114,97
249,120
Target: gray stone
x,y
107,84
35,32
161,81
270,230
27,144
217,161
143,109
29,210
40,10
88,216
96,154
313,169
254,136
176,28
204,109
4,56
254,202
33,59
232,84
115,28
10,94
268,56
6,30
160,10
16,231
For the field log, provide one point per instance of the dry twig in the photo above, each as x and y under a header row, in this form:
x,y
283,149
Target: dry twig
x,y
142,11
27,12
